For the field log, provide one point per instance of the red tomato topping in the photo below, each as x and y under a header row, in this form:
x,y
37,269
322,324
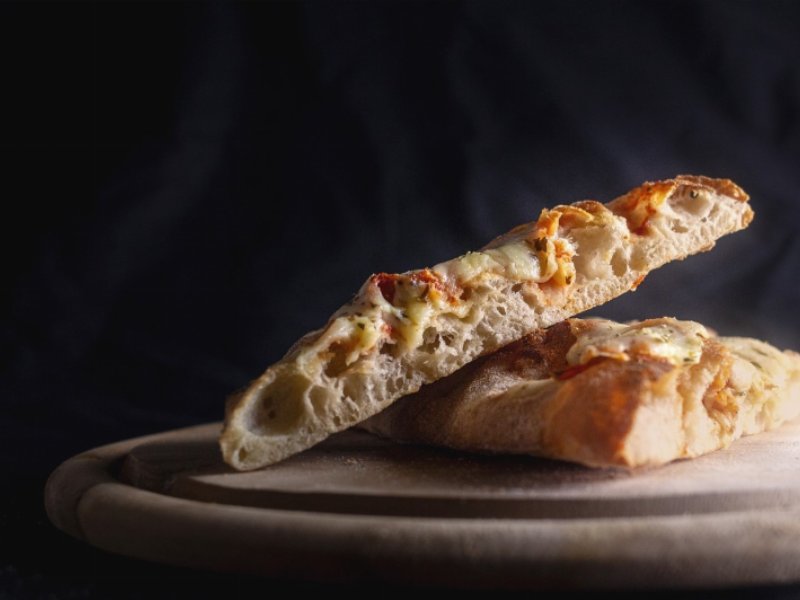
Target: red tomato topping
x,y
386,283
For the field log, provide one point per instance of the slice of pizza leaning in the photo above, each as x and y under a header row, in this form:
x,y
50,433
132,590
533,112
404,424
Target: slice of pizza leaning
x,y
402,331
605,394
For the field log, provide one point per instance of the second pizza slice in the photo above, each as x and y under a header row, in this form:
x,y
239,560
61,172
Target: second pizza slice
x,y
404,330
602,394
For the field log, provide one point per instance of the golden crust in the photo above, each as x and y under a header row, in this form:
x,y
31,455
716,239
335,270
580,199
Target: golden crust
x,y
404,330
641,411
641,203
592,414
723,186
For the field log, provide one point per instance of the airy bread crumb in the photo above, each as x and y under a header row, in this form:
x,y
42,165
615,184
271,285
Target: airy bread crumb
x,y
402,331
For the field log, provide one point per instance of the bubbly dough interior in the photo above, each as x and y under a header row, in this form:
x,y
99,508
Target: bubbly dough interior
x,y
401,331
605,394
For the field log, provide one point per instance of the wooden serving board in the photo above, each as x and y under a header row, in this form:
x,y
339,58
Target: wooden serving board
x,y
358,508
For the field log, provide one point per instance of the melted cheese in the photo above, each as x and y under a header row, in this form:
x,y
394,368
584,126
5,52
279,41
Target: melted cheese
x,y
413,322
527,254
515,261
398,308
678,342
366,334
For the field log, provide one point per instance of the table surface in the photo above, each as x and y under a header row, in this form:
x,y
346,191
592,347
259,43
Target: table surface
x,y
357,509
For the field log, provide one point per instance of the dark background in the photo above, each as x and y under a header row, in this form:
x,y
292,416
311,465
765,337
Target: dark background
x,y
188,188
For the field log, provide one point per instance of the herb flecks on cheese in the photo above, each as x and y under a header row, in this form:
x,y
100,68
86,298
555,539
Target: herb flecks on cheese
x,y
403,331
396,309
677,342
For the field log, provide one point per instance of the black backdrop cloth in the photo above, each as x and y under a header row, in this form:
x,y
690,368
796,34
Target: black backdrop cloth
x,y
190,187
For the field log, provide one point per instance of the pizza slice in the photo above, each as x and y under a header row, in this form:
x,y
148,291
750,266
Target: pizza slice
x,y
401,331
605,394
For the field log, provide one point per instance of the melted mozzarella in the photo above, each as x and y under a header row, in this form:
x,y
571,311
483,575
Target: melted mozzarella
x,y
402,310
515,260
679,342
413,322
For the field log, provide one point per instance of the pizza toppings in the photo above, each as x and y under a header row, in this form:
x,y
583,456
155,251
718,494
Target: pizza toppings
x,y
667,339
640,204
401,331
395,309
539,252
643,205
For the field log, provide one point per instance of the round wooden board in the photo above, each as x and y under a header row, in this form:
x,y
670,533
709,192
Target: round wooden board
x,y
357,508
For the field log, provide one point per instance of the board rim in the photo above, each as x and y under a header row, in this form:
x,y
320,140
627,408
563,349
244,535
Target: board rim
x,y
84,498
